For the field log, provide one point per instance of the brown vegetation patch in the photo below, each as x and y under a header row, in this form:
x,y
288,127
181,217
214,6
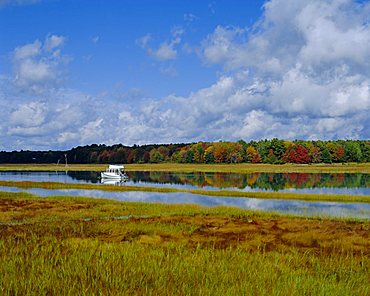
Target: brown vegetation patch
x,y
11,205
76,219
320,236
20,210
252,234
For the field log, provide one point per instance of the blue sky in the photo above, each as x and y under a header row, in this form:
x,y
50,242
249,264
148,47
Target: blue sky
x,y
76,72
115,57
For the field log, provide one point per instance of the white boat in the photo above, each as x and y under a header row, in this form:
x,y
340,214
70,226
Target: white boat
x,y
115,172
115,182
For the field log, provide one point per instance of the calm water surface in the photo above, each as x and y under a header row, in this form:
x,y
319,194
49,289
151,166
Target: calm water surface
x,y
353,184
300,208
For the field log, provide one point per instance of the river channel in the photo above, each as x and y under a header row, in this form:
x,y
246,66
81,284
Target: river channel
x,y
307,183
352,184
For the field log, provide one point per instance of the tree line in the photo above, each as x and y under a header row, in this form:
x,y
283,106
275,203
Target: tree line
x,y
274,151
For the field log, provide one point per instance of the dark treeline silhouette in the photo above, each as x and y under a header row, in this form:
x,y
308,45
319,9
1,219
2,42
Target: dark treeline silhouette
x,y
274,151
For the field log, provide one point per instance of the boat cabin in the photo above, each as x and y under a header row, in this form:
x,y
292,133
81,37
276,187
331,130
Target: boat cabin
x,y
116,169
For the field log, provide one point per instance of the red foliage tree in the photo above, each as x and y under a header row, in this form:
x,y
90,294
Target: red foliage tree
x,y
297,154
256,158
130,157
339,153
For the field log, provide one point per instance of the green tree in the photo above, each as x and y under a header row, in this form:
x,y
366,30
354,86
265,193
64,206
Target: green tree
x,y
208,155
278,147
189,156
155,156
353,151
365,149
325,156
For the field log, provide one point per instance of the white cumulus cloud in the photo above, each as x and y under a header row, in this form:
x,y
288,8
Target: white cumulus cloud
x,y
167,50
36,65
53,41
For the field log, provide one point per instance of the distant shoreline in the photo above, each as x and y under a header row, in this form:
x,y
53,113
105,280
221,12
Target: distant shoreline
x,y
207,168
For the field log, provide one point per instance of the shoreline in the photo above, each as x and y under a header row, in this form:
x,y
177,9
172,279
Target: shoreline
x,y
207,168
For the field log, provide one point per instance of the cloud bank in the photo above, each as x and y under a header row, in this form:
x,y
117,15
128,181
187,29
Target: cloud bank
x,y
301,72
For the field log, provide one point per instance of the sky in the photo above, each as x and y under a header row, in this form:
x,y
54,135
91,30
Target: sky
x,y
76,72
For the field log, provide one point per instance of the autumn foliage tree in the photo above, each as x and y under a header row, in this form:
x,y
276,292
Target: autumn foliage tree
x,y
219,152
198,150
235,153
253,155
296,154
339,153
315,154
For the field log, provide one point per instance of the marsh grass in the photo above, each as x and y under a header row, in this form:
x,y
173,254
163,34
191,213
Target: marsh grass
x,y
222,193
42,266
160,249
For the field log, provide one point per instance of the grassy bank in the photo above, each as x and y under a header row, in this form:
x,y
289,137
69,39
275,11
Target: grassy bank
x,y
224,193
65,245
188,168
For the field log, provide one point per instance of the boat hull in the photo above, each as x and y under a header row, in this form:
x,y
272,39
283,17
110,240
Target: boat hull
x,y
112,176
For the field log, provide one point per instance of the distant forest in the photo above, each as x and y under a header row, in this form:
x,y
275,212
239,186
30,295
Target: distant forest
x,y
274,151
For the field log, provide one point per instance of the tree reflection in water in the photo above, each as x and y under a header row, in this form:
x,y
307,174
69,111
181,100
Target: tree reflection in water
x,y
267,181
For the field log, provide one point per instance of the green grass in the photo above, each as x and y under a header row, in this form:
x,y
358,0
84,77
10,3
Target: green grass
x,y
46,266
188,168
48,247
227,193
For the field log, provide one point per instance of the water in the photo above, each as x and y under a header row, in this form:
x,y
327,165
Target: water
x,y
308,183
299,208
352,184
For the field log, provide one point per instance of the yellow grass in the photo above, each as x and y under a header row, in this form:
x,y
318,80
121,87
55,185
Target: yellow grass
x,y
187,168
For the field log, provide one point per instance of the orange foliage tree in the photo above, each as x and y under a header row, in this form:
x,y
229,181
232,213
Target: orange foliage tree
x,y
253,155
